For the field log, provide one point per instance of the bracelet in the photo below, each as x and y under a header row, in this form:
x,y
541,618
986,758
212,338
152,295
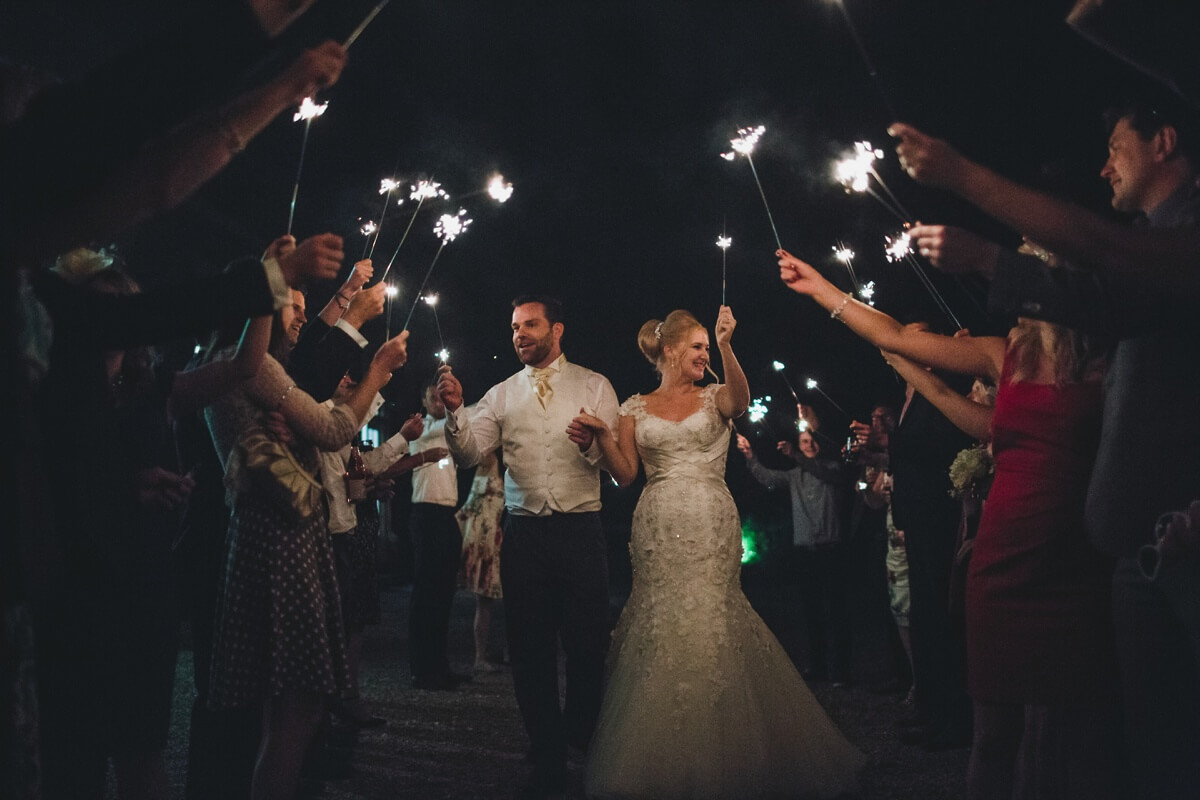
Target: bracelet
x,y
837,312
339,294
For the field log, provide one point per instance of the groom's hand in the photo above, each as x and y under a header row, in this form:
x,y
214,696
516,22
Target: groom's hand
x,y
449,389
581,434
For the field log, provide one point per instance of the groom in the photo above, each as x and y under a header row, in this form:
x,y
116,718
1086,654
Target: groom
x,y
553,562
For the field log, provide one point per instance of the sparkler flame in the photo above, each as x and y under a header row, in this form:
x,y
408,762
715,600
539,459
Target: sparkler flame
x,y
778,365
430,299
443,355
427,190
499,189
867,292
450,226
802,425
746,141
843,254
309,109
388,185
391,291
854,171
368,227
897,247
810,384
757,409
723,242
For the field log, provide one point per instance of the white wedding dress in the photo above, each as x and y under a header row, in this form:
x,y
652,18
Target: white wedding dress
x,y
701,699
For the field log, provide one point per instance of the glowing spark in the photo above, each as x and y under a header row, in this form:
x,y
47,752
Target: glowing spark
x,y
388,185
443,355
430,299
723,242
499,189
391,291
810,384
445,462
427,190
867,292
843,254
746,141
368,227
778,365
802,425
854,172
757,409
897,247
309,110
450,226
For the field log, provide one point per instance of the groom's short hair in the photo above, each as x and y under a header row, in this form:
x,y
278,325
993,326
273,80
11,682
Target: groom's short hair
x,y
552,305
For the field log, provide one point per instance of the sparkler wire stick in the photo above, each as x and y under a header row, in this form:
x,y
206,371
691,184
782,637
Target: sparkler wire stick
x,y
812,384
866,57
933,292
362,26
299,169
396,252
424,281
744,145
779,367
386,187
723,242
763,195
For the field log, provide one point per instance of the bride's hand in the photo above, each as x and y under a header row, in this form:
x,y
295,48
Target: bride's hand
x,y
725,325
585,428
799,275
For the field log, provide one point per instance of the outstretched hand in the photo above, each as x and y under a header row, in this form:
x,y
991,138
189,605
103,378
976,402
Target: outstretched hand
x,y
799,275
315,69
392,354
954,249
412,428
449,389
743,446
927,160
317,257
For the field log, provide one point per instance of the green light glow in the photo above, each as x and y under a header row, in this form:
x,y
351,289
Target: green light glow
x,y
750,544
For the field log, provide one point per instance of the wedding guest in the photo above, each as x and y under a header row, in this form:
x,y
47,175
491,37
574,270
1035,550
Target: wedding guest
x,y
481,520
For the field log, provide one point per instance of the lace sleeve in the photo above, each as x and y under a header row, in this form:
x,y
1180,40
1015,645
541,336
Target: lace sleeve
x,y
632,407
273,390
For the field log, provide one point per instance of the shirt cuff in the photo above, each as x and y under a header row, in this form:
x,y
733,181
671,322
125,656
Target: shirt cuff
x,y
351,331
456,420
281,293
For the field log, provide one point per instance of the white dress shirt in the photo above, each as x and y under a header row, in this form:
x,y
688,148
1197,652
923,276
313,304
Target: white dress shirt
x,y
544,470
436,482
342,516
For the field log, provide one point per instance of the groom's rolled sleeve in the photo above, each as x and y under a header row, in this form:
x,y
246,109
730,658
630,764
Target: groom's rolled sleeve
x,y
603,401
473,430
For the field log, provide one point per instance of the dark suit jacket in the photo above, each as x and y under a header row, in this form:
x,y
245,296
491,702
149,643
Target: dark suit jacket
x,y
321,357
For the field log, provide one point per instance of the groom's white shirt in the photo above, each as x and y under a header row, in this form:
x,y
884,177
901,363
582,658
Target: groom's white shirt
x,y
544,470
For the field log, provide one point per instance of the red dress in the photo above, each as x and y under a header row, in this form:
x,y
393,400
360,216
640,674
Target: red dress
x,y
1039,625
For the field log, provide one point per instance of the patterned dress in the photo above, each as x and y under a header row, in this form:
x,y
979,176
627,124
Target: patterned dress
x,y
481,521
702,701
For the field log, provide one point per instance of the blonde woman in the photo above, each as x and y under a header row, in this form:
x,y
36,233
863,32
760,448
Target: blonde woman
x,y
701,701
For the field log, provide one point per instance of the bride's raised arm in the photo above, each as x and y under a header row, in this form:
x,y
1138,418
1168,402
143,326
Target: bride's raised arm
x,y
619,450
734,397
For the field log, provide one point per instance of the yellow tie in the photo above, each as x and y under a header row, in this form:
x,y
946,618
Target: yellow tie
x,y
541,385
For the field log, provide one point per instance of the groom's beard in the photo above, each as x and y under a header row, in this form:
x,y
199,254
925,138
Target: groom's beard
x,y
537,352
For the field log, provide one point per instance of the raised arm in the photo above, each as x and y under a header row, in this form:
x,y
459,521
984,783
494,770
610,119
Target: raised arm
x,y
469,432
734,395
967,355
193,389
1164,258
973,419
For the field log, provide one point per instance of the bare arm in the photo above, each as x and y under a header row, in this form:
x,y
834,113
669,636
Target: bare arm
x,y
966,355
618,450
195,388
970,417
734,395
1165,258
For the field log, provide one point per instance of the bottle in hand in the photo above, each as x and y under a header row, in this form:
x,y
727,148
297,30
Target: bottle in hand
x,y
356,476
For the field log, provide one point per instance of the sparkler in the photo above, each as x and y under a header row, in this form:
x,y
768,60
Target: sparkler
x,y
757,410
900,247
779,367
723,242
813,386
867,292
386,187
854,173
448,228
308,111
391,291
362,26
862,51
431,300
846,256
744,145
499,189
420,191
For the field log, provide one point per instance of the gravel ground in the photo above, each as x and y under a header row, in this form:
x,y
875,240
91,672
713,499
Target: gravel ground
x,y
469,744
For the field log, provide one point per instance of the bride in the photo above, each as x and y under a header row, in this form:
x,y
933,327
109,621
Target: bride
x,y
701,701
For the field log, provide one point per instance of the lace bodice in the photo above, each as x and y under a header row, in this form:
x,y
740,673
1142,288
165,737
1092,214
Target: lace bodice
x,y
695,447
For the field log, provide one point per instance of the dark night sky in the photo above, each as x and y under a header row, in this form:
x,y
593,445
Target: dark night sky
x,y
609,118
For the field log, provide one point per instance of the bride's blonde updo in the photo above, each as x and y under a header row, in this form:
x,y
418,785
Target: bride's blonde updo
x,y
658,334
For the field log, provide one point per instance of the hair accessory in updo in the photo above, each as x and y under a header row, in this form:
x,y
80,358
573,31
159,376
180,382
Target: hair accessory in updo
x,y
658,331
